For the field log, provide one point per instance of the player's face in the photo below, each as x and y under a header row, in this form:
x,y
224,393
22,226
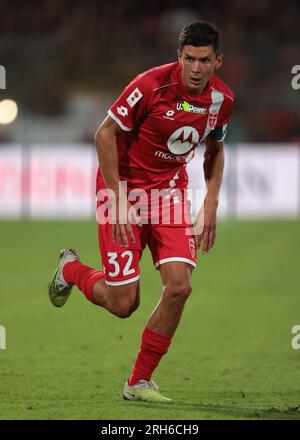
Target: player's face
x,y
198,65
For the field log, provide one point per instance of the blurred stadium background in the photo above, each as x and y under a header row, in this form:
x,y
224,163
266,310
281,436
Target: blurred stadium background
x,y
65,63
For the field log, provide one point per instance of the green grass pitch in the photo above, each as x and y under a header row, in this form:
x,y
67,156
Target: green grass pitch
x,y
231,356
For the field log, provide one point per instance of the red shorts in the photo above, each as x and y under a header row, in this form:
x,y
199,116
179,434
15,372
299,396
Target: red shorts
x,y
121,264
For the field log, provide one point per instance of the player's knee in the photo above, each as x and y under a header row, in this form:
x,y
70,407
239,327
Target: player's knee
x,y
124,309
179,290
125,300
123,312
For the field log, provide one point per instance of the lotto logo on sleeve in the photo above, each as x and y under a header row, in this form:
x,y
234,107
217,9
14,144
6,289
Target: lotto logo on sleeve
x,y
134,97
122,111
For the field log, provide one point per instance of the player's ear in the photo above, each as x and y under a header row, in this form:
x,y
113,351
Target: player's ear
x,y
219,60
179,54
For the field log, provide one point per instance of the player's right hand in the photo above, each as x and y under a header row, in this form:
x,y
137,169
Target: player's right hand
x,y
126,216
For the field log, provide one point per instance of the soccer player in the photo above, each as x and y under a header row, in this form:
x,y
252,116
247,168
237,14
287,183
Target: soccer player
x,y
145,142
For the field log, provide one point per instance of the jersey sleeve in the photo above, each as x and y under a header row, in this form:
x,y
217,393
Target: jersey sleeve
x,y
220,131
132,105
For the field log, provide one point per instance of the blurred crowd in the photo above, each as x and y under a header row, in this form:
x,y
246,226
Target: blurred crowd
x,y
66,61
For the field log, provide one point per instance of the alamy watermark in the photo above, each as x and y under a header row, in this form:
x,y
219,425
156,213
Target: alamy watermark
x,y
2,78
157,206
295,83
2,338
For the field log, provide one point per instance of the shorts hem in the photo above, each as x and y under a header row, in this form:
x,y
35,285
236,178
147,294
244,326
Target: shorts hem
x,y
167,260
121,283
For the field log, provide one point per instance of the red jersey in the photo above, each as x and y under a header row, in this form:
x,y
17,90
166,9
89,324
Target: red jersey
x,y
162,125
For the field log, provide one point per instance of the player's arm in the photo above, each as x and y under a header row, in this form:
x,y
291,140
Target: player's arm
x,y
213,172
106,145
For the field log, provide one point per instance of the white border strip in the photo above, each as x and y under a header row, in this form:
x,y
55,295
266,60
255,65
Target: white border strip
x,y
117,120
167,260
225,94
121,283
217,99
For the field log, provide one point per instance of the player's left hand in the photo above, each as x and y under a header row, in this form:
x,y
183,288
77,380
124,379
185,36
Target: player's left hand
x,y
206,224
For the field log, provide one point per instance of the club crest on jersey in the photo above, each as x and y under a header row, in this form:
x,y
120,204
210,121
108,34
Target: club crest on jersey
x,y
183,140
212,120
134,97
187,107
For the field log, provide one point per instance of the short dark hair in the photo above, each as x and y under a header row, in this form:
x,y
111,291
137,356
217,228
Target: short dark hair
x,y
200,33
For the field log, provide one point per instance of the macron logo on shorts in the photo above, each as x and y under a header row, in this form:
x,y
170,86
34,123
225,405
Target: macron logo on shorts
x,y
134,97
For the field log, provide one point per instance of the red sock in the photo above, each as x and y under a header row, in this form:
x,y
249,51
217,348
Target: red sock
x,y
153,347
84,277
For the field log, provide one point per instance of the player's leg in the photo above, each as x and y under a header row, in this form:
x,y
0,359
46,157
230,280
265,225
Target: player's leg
x,y
177,286
119,291
159,330
175,257
161,326
122,300
116,288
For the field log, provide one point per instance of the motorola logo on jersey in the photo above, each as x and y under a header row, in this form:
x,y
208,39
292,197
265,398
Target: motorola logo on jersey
x,y
175,157
167,156
183,140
